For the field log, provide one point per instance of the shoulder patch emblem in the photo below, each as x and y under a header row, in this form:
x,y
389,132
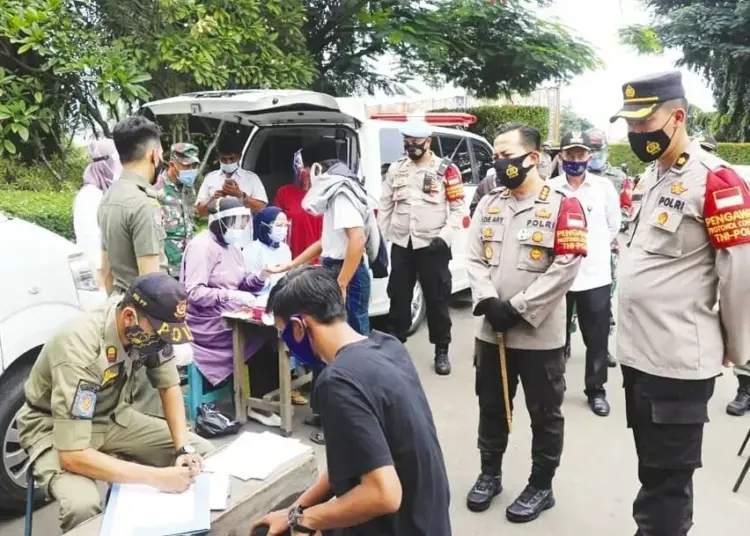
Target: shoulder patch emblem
x,y
84,400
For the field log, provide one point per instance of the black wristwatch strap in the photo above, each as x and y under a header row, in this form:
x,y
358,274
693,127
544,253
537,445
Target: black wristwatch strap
x,y
293,517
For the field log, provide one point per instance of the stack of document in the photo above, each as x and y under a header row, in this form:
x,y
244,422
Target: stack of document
x,y
255,456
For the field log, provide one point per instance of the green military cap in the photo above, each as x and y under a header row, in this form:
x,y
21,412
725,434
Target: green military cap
x,y
643,96
708,142
185,153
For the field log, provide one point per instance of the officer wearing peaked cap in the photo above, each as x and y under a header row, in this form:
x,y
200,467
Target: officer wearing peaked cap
x,y
78,413
421,207
526,242
689,242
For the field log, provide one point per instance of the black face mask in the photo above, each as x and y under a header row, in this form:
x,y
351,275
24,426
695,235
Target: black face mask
x,y
147,343
510,171
649,146
415,151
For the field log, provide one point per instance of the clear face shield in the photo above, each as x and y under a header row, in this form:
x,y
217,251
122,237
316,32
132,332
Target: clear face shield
x,y
599,158
235,225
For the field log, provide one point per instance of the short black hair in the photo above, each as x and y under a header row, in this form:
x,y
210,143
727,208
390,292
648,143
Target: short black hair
x,y
677,103
134,136
308,290
228,144
531,138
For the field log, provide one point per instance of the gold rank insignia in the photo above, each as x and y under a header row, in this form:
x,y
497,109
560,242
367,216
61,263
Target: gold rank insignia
x,y
537,236
662,218
653,147
544,194
678,188
681,161
493,210
535,253
511,172
629,92
543,213
488,232
111,354
110,374
488,251
179,311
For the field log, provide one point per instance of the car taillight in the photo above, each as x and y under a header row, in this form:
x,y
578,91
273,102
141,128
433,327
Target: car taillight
x,y
83,274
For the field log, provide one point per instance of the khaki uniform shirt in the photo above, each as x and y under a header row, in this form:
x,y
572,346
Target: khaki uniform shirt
x,y
670,278
416,205
82,383
178,207
132,226
512,256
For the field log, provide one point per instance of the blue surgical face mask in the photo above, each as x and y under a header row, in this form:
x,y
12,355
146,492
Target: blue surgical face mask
x,y
230,168
574,169
598,161
302,350
236,237
188,176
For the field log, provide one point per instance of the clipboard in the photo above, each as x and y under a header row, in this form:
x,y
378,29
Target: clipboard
x,y
198,524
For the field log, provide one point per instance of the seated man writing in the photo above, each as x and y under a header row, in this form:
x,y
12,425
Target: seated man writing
x,y
385,465
78,419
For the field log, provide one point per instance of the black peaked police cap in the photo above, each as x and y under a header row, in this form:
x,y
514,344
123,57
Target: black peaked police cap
x,y
643,96
164,302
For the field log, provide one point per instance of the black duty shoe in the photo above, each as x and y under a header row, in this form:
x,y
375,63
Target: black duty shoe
x,y
599,405
486,488
530,504
442,363
567,352
611,361
741,403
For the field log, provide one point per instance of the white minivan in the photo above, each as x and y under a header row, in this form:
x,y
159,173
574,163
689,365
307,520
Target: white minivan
x,y
44,281
282,121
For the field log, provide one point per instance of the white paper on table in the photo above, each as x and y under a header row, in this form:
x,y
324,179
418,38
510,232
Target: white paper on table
x,y
151,508
255,456
219,494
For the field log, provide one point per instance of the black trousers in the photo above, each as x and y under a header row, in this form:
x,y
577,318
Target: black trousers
x,y
542,373
593,308
431,268
667,418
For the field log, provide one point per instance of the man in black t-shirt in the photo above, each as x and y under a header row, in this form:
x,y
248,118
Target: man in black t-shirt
x,y
386,473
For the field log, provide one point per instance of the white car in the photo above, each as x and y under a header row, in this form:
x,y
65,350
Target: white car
x,y
279,122
45,281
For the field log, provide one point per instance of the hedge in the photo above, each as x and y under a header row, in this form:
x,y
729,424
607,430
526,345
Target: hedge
x,y
18,175
491,117
620,153
51,210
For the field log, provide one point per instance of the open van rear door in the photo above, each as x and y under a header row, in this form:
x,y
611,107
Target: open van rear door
x,y
259,107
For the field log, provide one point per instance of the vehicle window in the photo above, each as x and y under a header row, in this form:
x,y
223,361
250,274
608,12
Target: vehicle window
x,y
483,157
391,146
457,149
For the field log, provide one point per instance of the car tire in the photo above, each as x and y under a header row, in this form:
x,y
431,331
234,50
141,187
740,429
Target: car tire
x,y
13,461
418,310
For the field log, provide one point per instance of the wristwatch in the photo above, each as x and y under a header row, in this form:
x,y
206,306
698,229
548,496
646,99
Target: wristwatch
x,y
186,449
293,519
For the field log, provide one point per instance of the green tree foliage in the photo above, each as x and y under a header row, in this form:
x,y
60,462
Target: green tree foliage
x,y
474,44
570,121
701,122
712,37
489,118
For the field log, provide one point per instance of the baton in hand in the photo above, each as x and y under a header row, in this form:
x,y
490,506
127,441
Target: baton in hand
x,y
504,377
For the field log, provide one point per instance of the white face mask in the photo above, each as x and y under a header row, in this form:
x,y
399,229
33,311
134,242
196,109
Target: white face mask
x,y
230,168
278,233
235,237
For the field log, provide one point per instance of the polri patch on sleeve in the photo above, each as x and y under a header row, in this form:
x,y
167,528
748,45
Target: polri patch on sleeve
x,y
571,237
84,400
726,209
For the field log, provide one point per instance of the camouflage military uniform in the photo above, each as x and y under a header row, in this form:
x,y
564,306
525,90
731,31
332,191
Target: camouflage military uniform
x,y
178,208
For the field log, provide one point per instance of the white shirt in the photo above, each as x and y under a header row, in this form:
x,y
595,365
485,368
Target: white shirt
x,y
601,205
248,182
340,214
86,223
257,255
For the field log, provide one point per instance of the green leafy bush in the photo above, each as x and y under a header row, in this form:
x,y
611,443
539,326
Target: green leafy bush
x,y
18,175
620,153
51,210
491,117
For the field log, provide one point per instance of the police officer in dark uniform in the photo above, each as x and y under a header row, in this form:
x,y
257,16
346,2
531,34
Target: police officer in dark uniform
x,y
672,339
524,250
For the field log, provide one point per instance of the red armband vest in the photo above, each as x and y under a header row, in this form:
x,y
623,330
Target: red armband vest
x,y
570,232
454,184
726,209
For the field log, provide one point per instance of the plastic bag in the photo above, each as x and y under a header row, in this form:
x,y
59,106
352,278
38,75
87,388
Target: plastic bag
x,y
213,423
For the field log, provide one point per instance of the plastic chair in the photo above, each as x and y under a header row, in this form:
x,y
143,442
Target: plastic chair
x,y
745,469
195,395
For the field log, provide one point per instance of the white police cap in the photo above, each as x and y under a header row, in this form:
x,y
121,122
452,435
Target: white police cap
x,y
416,129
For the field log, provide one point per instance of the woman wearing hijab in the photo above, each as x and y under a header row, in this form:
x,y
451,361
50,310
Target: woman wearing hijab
x,y
99,175
213,271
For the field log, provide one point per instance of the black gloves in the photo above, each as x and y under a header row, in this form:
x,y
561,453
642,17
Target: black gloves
x,y
438,245
499,313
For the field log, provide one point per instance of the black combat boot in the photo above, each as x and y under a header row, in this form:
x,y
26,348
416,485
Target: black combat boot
x,y
442,363
741,403
535,499
488,485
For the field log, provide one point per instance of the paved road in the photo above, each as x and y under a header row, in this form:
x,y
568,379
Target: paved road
x,y
597,480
